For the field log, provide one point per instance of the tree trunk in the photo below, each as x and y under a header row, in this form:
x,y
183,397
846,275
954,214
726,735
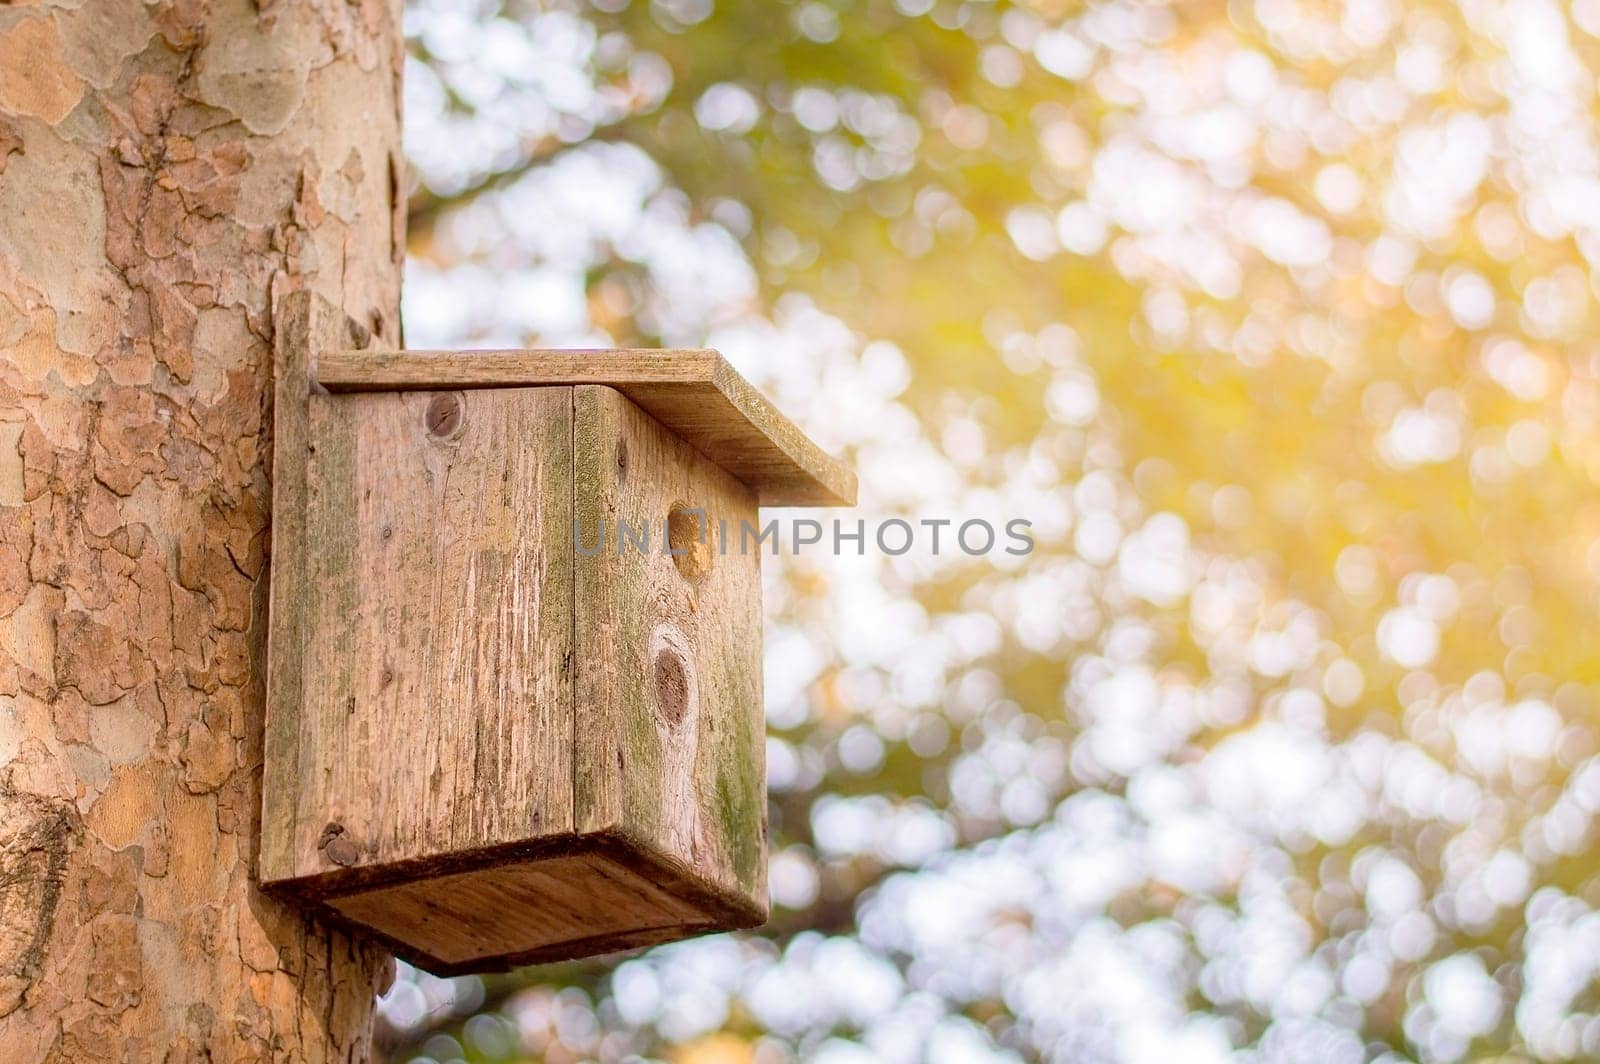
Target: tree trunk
x,y
167,169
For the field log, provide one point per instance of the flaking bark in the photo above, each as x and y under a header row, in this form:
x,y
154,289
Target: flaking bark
x,y
167,169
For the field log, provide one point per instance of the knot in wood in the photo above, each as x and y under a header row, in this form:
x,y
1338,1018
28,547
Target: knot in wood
x,y
443,417
670,681
337,846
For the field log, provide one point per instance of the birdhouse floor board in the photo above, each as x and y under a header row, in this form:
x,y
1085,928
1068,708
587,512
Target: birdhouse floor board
x,y
562,907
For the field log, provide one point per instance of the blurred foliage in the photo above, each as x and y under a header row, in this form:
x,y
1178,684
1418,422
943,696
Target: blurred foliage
x,y
1277,319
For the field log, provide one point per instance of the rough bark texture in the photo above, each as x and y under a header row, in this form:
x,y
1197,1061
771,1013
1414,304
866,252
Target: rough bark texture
x,y
167,167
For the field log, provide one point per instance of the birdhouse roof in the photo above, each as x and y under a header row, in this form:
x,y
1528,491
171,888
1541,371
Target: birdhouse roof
x,y
695,393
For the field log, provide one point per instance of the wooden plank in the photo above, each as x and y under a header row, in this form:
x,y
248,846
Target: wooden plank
x,y
695,393
521,908
302,323
488,744
436,682
670,731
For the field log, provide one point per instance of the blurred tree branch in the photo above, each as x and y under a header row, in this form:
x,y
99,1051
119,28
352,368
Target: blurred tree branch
x,y
426,207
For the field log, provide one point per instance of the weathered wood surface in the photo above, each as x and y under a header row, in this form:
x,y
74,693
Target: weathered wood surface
x,y
436,607
555,907
694,393
304,324
670,733
486,744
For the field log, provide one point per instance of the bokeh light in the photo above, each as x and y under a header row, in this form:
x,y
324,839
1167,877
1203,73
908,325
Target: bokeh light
x,y
1277,320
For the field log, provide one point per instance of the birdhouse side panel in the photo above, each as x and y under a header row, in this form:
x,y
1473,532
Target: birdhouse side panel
x,y
670,730
437,704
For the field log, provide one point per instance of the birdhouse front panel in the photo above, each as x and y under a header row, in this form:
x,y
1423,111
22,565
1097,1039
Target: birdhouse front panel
x,y
514,678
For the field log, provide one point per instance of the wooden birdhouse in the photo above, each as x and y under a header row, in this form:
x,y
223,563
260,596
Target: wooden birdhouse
x,y
490,739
